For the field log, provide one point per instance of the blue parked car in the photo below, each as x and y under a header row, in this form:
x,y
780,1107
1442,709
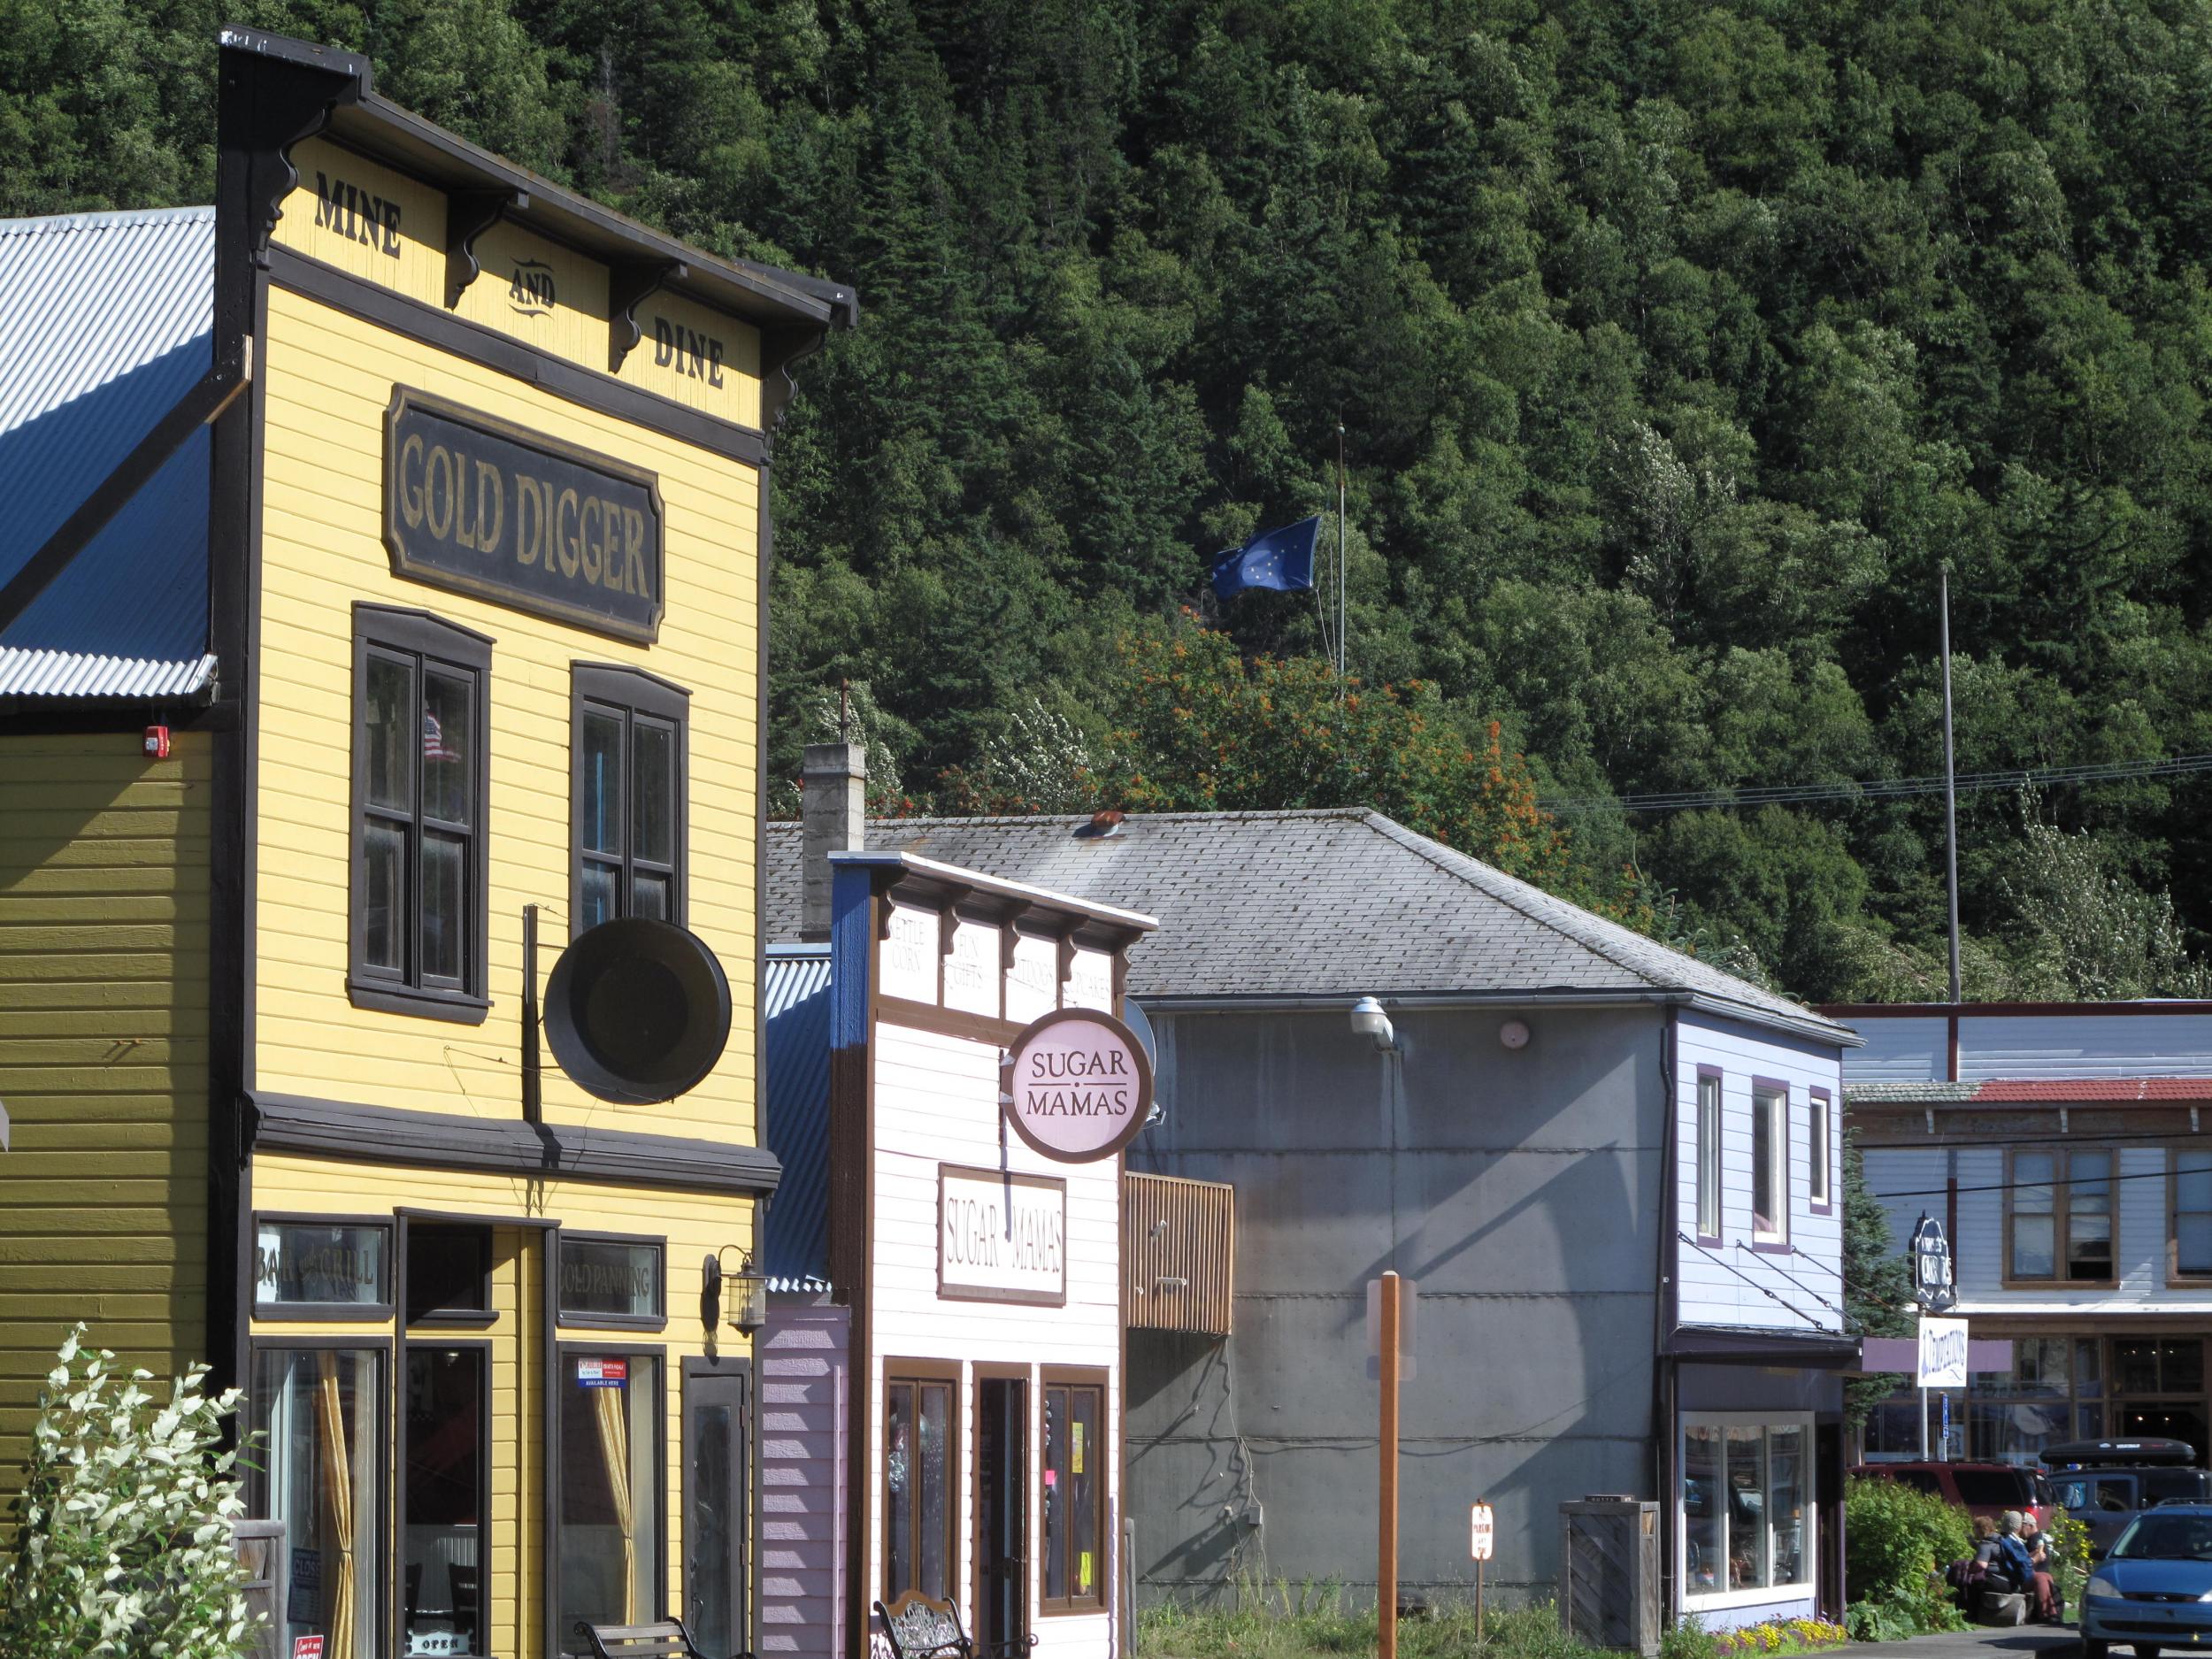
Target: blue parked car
x,y
2154,1588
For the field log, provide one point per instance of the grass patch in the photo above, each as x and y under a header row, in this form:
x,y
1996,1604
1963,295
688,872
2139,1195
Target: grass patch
x,y
1304,1621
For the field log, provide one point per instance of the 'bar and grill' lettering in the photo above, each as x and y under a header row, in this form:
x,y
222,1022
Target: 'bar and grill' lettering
x,y
521,519
356,215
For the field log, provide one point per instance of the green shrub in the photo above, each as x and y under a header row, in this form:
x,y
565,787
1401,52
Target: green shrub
x,y
127,1516
1897,1542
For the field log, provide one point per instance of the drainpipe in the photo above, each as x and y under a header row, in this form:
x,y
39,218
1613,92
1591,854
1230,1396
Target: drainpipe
x,y
1664,1316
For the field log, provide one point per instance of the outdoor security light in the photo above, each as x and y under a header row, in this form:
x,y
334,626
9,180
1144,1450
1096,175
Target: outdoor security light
x,y
1370,1021
748,1291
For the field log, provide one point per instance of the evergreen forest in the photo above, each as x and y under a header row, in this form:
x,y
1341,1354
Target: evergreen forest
x,y
1677,348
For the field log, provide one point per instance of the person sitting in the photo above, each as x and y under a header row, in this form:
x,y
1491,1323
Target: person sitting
x,y
2020,1567
1995,1573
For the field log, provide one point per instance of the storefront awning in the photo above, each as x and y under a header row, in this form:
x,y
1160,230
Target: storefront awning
x,y
1732,1345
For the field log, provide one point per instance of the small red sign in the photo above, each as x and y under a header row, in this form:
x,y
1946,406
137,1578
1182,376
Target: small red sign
x,y
307,1647
603,1373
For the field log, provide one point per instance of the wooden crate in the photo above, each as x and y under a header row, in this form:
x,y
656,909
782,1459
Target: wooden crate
x,y
1608,1573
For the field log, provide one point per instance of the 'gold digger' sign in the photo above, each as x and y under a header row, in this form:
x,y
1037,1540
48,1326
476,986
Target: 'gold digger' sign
x,y
475,503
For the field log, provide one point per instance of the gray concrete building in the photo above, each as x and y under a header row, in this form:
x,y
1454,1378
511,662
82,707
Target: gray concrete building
x,y
1613,1172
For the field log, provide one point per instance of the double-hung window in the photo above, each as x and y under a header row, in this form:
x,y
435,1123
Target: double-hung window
x,y
1708,1084
1769,1163
626,812
2190,1193
2058,1222
421,729
1819,1178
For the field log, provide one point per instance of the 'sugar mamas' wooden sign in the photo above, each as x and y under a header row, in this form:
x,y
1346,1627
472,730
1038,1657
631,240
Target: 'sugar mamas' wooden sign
x,y
484,507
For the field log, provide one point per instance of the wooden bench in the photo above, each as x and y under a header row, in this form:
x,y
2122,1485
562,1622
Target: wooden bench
x,y
667,1639
920,1627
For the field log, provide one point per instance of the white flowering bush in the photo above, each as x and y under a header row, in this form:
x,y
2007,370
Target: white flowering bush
x,y
125,1520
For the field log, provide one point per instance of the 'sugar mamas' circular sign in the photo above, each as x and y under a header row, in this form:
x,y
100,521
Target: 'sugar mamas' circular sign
x,y
1078,1085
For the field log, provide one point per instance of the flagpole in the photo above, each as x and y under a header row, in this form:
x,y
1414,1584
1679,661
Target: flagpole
x,y
1343,611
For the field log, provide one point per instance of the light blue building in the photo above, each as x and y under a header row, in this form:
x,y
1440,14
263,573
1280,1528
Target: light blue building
x,y
1613,1172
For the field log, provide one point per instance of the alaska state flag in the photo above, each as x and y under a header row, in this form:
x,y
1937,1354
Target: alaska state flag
x,y
1280,559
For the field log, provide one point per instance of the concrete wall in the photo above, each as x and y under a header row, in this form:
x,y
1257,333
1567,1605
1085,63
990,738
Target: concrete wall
x,y
1522,1190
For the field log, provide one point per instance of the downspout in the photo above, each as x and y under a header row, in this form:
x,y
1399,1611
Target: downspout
x,y
1664,1316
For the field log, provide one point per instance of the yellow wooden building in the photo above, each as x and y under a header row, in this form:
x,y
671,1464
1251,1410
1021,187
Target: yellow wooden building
x,y
382,607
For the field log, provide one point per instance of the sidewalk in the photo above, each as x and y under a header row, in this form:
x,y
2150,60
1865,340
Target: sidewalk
x,y
2019,1641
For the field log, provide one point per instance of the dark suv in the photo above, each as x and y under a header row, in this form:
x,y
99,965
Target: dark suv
x,y
2106,1484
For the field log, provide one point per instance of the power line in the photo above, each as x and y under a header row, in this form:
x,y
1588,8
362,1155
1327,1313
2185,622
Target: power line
x,y
1875,789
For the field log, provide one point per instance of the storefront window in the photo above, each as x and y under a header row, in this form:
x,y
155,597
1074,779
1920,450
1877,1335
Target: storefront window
x,y
1073,1499
610,1489
337,1269
442,1499
917,1474
617,1281
2054,1392
322,1475
1747,1505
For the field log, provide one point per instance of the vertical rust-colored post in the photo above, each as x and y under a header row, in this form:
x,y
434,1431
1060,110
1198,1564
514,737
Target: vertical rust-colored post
x,y
1386,1533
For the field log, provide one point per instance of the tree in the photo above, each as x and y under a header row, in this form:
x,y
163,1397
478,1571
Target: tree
x,y
1877,1280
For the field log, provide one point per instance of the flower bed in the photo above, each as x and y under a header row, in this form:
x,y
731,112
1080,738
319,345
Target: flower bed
x,y
1779,1636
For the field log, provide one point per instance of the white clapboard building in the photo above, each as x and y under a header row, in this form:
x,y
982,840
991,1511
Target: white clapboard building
x,y
2065,1149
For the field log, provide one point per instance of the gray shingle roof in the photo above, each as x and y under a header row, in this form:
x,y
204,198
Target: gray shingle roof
x,y
1339,902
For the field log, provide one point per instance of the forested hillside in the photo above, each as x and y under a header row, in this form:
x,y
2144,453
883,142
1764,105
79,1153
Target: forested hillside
x,y
1676,347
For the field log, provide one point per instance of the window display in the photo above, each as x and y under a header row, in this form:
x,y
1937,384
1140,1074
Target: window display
x,y
1747,1505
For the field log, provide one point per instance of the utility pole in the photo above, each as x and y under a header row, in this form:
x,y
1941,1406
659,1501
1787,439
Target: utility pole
x,y
1386,1532
1950,805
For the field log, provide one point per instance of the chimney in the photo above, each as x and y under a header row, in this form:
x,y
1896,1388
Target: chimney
x,y
834,815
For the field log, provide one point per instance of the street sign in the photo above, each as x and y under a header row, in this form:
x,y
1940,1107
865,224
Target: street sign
x,y
1409,1300
1482,1533
1942,1352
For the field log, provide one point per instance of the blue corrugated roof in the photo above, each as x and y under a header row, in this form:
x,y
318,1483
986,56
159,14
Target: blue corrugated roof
x,y
797,989
108,320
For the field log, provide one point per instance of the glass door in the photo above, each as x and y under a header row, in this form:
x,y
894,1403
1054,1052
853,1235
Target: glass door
x,y
1001,1512
715,1438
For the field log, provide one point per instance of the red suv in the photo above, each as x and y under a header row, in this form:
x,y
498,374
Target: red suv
x,y
1978,1488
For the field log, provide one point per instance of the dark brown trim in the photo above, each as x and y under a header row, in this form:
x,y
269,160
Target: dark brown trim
x,y
707,1368
468,215
1072,1377
1821,1205
427,639
1033,1298
947,1021
628,693
630,283
2174,1274
557,1401
253,1416
488,1528
581,1321
323,1312
918,1374
2062,1184
1951,1048
439,1141
1720,1153
471,342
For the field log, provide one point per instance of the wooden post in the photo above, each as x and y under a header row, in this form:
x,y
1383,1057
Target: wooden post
x,y
1386,1538
1479,1637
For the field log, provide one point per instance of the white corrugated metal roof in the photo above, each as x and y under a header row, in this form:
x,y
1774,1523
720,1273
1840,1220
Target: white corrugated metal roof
x,y
77,674
68,282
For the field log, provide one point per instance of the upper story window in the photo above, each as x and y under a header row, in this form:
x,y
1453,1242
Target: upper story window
x,y
1769,1163
628,732
2189,1198
421,731
2058,1214
1709,1154
1818,1175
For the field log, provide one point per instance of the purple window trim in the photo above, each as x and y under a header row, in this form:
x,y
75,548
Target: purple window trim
x,y
1776,1246
1828,1100
1720,1132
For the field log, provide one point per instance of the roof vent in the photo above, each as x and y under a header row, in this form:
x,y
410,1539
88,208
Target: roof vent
x,y
1103,823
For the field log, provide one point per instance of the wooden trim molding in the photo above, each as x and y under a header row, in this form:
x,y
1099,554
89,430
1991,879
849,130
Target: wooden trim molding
x,y
2062,1208
441,1141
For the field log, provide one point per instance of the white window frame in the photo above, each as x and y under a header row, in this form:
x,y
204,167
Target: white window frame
x,y
1774,1100
1820,1147
1799,1590
1710,1111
